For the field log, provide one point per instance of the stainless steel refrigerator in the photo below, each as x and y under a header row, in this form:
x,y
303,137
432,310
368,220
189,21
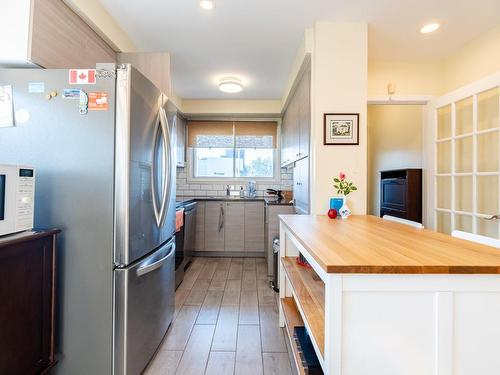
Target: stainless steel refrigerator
x,y
106,177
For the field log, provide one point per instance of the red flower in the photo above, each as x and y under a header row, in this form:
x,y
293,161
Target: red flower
x,y
342,176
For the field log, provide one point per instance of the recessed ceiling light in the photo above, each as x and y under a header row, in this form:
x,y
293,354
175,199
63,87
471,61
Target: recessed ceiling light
x,y
207,4
429,28
230,84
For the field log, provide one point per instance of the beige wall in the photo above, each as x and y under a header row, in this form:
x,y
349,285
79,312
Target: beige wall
x,y
339,84
475,60
394,142
231,107
408,77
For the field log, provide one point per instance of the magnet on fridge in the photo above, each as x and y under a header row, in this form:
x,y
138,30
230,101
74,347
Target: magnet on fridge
x,y
84,103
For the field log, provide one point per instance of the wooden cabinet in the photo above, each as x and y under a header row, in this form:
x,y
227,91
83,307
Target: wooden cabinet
x,y
304,98
401,194
234,226
254,226
230,226
214,226
49,34
153,65
199,244
301,186
180,126
27,292
296,122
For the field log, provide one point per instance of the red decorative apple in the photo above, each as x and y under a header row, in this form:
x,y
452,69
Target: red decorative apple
x,y
332,213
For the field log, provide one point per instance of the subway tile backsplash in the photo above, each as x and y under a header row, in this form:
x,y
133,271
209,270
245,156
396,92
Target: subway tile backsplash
x,y
209,189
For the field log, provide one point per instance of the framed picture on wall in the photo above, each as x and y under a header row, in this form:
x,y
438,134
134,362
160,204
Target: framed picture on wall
x,y
341,129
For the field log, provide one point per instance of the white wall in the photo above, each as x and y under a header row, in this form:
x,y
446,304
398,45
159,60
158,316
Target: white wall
x,y
339,85
394,142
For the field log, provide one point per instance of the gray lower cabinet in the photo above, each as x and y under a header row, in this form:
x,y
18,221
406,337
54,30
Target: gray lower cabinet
x,y
200,227
234,226
254,226
214,226
230,226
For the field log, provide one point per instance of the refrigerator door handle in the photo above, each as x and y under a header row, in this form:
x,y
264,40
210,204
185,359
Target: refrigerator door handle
x,y
167,153
160,128
144,270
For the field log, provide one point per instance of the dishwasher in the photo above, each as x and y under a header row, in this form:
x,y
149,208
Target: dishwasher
x,y
185,241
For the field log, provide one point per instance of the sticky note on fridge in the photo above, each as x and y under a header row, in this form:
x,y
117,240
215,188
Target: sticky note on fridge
x,y
36,87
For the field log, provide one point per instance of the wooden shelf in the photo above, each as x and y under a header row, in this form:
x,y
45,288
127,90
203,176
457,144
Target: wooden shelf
x,y
311,298
292,320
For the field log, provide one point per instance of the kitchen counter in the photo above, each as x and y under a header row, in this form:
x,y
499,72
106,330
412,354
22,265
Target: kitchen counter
x,y
266,200
369,244
375,285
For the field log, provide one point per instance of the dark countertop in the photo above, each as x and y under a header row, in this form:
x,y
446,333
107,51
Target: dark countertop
x,y
271,201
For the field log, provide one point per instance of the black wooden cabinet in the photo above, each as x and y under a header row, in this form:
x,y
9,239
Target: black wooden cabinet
x,y
27,297
401,194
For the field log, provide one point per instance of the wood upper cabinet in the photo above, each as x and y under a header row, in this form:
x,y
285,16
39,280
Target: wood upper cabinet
x,y
199,244
234,227
214,226
296,122
153,65
27,292
180,128
254,226
49,34
304,98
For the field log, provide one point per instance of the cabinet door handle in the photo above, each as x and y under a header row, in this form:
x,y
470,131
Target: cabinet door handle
x,y
221,217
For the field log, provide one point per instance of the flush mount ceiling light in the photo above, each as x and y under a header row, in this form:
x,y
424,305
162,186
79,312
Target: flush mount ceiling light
x,y
230,84
207,4
429,28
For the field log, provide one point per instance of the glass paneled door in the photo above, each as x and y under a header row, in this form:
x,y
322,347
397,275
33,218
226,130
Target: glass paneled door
x,y
467,167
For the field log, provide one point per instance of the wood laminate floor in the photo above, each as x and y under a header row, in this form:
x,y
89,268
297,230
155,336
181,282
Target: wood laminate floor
x,y
225,323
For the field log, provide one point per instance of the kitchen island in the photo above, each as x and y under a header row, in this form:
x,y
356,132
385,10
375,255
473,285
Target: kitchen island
x,y
386,298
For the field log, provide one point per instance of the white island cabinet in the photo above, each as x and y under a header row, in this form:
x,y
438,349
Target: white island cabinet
x,y
383,298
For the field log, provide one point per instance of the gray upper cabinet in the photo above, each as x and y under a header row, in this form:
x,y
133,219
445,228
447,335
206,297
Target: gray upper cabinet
x,y
304,98
181,141
214,226
296,123
234,228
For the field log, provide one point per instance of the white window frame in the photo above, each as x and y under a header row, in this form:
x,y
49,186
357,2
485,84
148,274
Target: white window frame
x,y
473,90
276,179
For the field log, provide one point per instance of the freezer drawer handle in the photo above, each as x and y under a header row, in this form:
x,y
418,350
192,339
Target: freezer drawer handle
x,y
141,271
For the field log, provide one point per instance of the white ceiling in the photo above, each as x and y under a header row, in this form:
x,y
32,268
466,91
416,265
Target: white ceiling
x,y
258,39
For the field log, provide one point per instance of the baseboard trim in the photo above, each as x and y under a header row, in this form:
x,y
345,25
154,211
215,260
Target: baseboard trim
x,y
232,254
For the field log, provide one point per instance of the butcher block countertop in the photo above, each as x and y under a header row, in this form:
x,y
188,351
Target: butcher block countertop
x,y
368,244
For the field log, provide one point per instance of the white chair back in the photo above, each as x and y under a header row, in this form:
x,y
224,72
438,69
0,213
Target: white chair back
x,y
476,238
413,224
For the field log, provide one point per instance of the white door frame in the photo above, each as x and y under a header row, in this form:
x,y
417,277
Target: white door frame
x,y
470,90
427,142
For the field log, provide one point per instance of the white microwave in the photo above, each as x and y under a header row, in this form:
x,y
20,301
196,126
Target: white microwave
x,y
17,198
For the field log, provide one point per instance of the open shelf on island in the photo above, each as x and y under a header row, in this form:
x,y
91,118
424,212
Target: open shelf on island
x,y
292,320
310,294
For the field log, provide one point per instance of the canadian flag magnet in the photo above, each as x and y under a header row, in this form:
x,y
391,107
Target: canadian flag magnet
x,y
82,76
